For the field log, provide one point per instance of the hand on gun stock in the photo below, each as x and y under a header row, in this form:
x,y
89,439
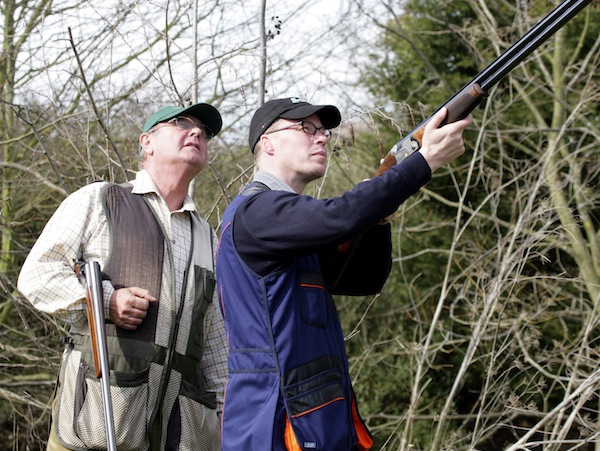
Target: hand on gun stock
x,y
461,104
129,306
441,144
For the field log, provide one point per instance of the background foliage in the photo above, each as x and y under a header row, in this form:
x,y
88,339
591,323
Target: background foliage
x,y
486,333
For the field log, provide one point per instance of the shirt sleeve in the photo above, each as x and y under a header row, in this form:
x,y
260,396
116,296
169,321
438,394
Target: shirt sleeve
x,y
47,278
214,358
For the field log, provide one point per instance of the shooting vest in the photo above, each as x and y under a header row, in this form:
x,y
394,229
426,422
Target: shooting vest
x,y
288,386
158,390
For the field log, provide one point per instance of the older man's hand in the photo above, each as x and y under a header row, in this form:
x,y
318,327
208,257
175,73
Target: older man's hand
x,y
129,306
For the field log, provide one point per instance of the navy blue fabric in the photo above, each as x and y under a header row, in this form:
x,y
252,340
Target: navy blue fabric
x,y
287,357
275,227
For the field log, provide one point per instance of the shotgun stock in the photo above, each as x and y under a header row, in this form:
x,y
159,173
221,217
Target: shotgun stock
x,y
95,311
472,94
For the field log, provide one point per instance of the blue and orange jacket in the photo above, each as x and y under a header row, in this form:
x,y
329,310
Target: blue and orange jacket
x,y
289,386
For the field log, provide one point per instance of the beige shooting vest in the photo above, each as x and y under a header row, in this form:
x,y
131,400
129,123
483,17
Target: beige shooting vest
x,y
158,390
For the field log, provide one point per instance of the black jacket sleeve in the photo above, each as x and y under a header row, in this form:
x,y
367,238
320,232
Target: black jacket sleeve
x,y
362,269
272,228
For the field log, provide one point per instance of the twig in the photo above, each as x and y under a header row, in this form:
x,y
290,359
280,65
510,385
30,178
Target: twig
x,y
23,317
28,121
96,112
584,391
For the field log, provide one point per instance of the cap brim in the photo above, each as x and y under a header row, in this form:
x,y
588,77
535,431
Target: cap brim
x,y
328,114
293,109
207,114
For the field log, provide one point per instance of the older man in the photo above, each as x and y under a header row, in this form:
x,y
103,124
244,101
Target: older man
x,y
289,387
166,343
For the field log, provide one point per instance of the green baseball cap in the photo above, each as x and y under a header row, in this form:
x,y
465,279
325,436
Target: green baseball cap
x,y
205,113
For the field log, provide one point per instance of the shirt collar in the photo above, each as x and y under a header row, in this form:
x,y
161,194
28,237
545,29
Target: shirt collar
x,y
143,184
273,182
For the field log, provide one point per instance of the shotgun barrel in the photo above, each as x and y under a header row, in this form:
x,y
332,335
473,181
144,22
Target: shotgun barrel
x,y
463,102
95,309
472,94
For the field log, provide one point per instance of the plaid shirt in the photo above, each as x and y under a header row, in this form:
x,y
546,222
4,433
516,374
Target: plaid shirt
x,y
78,230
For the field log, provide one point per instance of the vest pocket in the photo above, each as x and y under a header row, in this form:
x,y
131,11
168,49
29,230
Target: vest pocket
x,y
192,425
315,392
79,417
313,384
326,427
313,300
317,406
197,392
129,411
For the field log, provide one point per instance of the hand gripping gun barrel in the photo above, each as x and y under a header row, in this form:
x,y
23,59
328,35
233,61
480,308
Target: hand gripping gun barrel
x,y
95,311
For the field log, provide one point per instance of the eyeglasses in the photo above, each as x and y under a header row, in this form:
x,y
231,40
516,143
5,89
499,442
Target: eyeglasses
x,y
187,123
307,127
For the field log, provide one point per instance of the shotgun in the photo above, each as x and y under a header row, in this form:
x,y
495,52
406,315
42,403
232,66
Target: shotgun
x,y
472,94
95,311
462,103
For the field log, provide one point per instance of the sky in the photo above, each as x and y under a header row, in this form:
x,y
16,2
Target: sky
x,y
315,44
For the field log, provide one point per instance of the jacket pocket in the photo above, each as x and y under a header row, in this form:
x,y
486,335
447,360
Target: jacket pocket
x,y
313,300
315,392
79,418
325,426
317,406
193,425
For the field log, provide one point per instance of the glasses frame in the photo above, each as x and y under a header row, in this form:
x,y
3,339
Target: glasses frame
x,y
187,123
326,132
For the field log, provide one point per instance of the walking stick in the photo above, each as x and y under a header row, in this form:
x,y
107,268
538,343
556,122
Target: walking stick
x,y
95,311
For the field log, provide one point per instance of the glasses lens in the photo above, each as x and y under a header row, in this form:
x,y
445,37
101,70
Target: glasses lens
x,y
186,123
206,132
311,129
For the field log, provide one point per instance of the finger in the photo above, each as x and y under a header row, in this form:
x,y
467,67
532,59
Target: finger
x,y
136,305
462,124
140,311
134,319
127,326
142,293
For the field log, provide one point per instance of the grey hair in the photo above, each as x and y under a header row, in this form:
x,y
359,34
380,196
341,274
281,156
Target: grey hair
x,y
141,154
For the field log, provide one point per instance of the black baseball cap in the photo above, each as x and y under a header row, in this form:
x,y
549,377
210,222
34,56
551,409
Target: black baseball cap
x,y
205,113
289,108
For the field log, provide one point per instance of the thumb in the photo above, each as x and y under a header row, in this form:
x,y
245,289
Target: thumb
x,y
142,293
436,119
